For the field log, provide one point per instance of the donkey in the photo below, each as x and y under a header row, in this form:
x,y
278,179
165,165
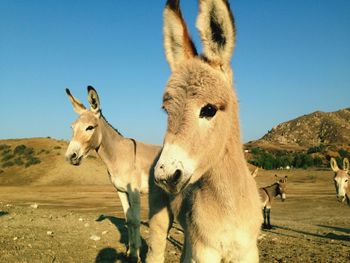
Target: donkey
x,y
341,180
268,193
129,162
202,165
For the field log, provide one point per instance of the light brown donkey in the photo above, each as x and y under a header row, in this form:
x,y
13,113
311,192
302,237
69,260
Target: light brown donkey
x,y
202,165
128,162
341,180
268,194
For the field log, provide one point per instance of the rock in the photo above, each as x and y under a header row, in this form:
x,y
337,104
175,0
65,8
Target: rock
x,y
15,238
104,232
80,219
35,205
49,233
95,238
86,224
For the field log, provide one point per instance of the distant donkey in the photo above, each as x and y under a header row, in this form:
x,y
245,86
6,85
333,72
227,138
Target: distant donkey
x,y
129,162
268,193
341,180
202,164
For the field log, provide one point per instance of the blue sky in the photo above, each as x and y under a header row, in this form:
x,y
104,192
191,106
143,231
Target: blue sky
x,y
291,58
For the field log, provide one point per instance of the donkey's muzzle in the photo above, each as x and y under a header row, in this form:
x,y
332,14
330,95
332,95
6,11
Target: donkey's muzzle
x,y
341,198
74,159
170,183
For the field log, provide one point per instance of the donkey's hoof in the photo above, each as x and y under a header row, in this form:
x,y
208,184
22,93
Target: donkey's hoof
x,y
132,257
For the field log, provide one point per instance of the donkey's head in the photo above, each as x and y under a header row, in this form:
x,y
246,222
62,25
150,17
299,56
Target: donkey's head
x,y
86,131
341,178
199,100
281,187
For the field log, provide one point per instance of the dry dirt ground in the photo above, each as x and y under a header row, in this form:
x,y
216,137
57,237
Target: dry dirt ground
x,y
85,223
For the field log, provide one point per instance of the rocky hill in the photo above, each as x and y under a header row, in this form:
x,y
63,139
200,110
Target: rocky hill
x,y
317,128
40,161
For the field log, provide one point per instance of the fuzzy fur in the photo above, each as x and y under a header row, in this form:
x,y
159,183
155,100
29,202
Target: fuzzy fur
x,y
218,204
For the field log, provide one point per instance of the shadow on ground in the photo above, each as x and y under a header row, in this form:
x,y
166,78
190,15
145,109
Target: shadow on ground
x,y
110,255
3,213
120,224
327,235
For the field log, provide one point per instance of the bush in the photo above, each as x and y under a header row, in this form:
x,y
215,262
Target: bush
x,y
18,161
32,161
7,164
28,151
318,162
268,160
344,153
316,149
7,156
4,147
20,149
57,147
6,151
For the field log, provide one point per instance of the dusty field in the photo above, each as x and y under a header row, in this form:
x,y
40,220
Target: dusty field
x,y
311,226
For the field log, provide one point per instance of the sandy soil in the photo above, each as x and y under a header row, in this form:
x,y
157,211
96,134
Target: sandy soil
x,y
85,223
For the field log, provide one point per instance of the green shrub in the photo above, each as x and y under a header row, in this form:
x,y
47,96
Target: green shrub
x,y
7,156
4,147
6,151
344,153
41,151
28,151
316,149
7,164
318,162
267,160
18,161
57,147
32,161
20,149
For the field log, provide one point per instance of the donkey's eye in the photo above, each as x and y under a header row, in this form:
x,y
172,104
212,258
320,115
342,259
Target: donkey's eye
x,y
346,180
90,128
208,111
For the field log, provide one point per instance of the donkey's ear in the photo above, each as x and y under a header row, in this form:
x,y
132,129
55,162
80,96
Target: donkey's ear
x,y
93,99
346,164
77,105
217,30
334,165
177,42
255,173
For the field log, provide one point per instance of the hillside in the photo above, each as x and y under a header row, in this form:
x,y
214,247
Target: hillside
x,y
327,128
309,140
40,161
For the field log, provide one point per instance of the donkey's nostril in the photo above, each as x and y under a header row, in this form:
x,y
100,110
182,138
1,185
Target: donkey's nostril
x,y
176,177
162,166
73,156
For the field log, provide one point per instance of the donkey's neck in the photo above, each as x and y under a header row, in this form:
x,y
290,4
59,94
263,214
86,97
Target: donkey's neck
x,y
272,190
227,176
347,193
110,144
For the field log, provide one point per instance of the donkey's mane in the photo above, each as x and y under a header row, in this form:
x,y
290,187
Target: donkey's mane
x,y
110,125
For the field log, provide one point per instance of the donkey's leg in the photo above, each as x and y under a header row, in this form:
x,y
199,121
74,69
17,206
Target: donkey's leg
x,y
268,218
160,221
186,253
128,217
134,223
265,219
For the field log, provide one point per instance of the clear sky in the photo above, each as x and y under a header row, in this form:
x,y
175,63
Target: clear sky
x,y
291,58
